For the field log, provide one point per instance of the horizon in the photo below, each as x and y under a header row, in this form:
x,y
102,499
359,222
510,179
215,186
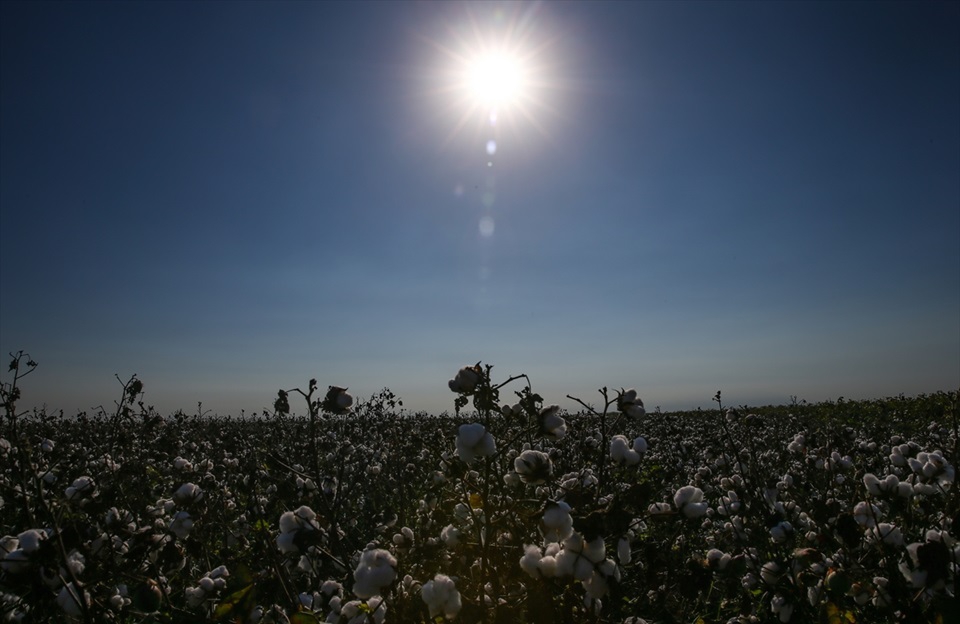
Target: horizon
x,y
228,199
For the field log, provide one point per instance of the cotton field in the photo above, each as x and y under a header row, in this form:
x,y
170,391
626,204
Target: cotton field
x,y
333,509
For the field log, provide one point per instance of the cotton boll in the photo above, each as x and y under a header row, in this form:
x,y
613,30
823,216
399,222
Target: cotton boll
x,y
629,404
181,524
533,467
474,441
72,601
557,521
530,561
686,495
624,554
377,569
451,536
595,550
548,566
466,380
29,541
187,493
441,596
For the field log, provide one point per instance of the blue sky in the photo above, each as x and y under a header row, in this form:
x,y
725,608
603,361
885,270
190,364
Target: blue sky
x,y
230,198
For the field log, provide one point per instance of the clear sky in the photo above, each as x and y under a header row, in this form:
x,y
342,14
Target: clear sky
x,y
230,198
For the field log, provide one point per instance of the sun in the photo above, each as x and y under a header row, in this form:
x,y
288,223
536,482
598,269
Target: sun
x,y
496,80
497,68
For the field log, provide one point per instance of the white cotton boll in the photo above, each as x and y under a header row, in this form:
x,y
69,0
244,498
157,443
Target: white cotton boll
x,y
624,554
640,445
206,584
888,533
76,563
781,532
450,535
686,495
47,446
69,600
306,600
872,482
564,562
286,544
620,451
466,380
582,569
866,514
187,493
470,435
330,588
8,544
695,510
350,610
441,596
474,441
548,566
629,404
533,467
595,550
377,569
596,586
798,444
15,562
29,540
530,561
770,573
557,521
689,500
81,488
660,509
181,524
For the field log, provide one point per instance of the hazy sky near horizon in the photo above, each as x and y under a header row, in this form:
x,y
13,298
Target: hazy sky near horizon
x,y
231,198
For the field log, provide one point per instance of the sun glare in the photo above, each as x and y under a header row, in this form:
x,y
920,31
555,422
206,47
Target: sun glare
x,y
495,80
497,69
